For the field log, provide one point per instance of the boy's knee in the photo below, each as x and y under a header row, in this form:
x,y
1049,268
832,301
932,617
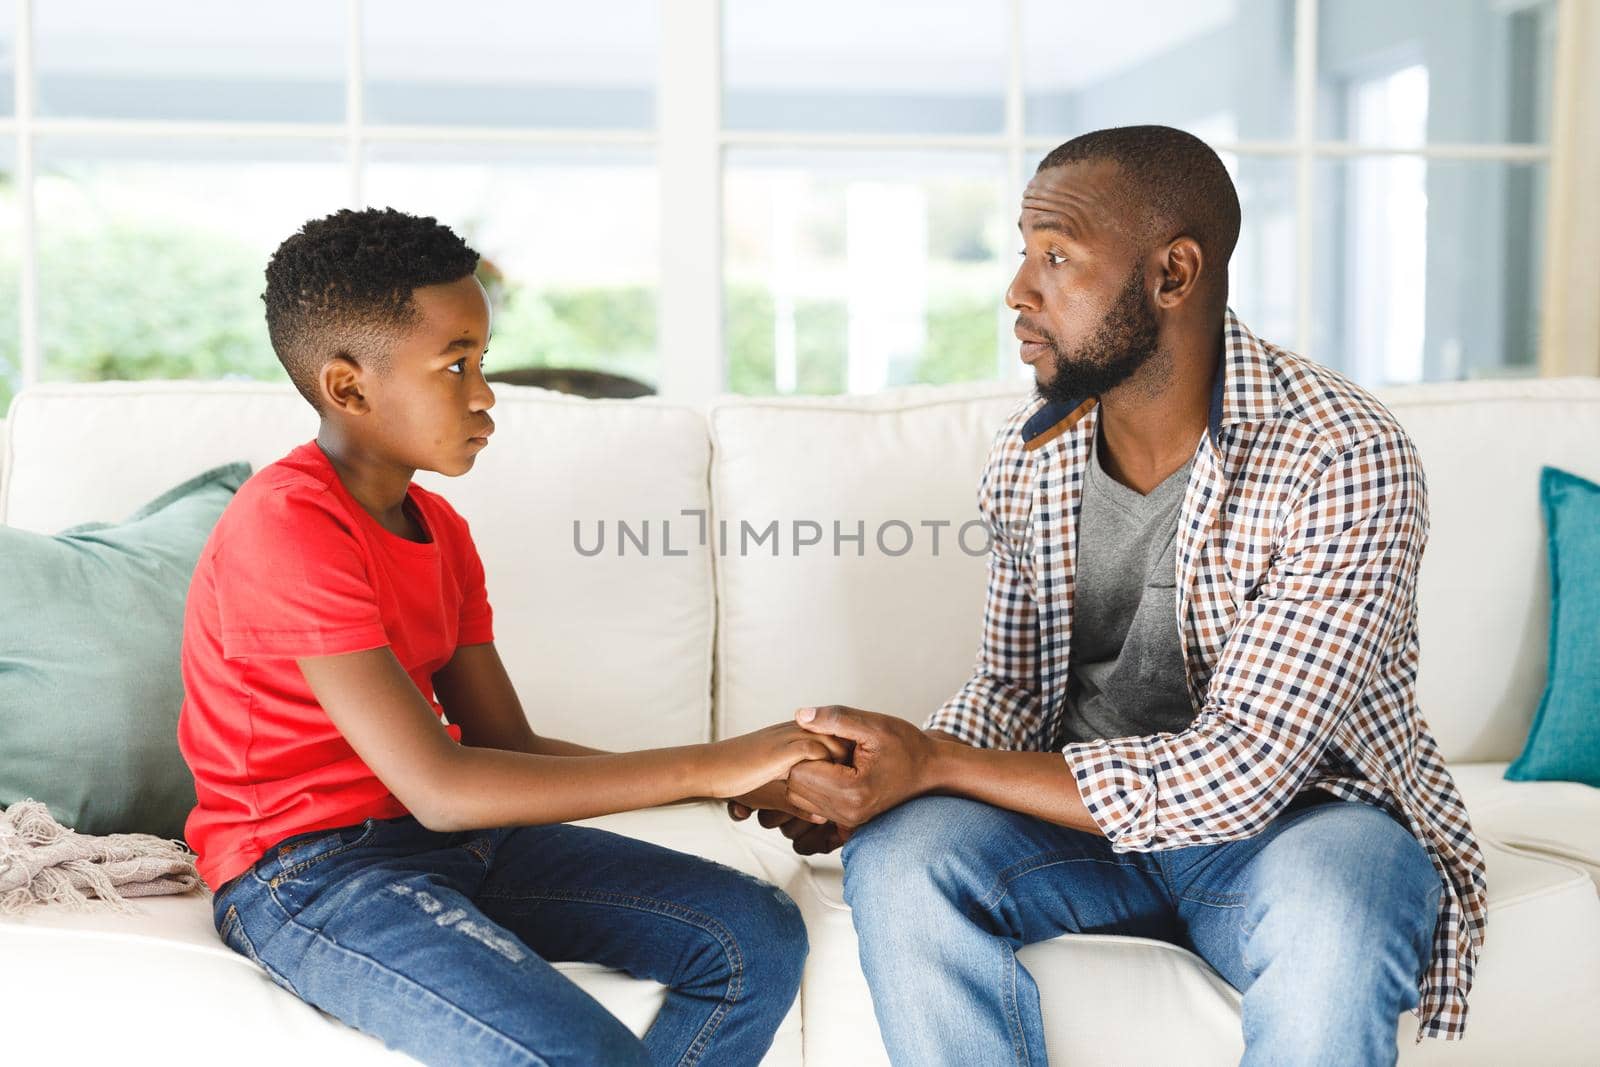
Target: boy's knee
x,y
774,932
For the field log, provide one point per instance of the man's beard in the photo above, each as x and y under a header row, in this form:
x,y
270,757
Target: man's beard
x,y
1124,341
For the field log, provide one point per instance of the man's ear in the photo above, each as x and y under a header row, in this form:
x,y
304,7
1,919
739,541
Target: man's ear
x,y
1179,271
341,385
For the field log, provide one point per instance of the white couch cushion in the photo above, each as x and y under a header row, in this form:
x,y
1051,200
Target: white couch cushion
x,y
1484,590
1560,820
1135,1001
143,982
610,650
893,633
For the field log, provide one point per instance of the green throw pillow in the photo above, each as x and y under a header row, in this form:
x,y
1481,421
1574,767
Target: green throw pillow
x,y
1564,744
90,625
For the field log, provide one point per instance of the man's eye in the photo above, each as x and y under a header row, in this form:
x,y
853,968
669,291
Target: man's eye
x,y
1056,258
459,366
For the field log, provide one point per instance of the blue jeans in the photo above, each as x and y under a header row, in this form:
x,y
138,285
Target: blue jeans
x,y
1323,921
441,944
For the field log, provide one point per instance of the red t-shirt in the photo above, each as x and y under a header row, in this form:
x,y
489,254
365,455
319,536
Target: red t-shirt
x,y
296,567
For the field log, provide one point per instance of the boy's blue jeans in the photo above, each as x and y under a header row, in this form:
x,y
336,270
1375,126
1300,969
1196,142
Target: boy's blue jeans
x,y
1324,921
441,944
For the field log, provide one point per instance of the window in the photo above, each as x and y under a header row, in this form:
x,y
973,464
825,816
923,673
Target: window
x,y
1370,142
10,275
1428,222
833,208
174,144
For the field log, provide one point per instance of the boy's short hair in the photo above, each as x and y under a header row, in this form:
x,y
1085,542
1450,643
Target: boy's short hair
x,y
342,285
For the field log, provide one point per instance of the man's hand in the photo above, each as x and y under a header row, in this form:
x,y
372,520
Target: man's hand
x,y
893,761
810,834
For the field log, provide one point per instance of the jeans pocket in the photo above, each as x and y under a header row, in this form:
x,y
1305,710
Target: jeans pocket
x,y
296,855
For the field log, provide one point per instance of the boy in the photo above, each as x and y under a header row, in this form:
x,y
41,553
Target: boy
x,y
409,877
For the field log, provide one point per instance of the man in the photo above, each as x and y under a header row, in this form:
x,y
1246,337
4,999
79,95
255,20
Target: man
x,y
1193,715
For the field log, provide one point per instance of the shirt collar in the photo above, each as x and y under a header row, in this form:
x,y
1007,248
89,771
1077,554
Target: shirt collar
x,y
1242,391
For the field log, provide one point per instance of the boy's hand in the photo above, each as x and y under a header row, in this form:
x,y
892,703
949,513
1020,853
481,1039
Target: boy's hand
x,y
771,797
770,805
741,765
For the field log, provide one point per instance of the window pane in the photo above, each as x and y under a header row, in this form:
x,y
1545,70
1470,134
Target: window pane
x,y
8,44
571,236
510,63
10,328
851,272
1261,274
190,59
1428,270
891,66
1435,70
1222,69
151,253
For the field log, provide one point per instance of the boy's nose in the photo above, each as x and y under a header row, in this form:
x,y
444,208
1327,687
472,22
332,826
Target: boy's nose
x,y
482,396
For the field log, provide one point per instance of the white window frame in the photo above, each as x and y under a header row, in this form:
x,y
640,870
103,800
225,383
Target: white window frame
x,y
690,143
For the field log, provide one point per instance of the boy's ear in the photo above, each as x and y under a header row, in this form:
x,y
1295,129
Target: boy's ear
x,y
341,385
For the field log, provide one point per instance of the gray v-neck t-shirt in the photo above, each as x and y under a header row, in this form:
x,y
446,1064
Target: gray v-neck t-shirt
x,y
1126,676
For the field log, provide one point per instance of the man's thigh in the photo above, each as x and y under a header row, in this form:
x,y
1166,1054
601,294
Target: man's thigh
x,y
1330,871
1030,880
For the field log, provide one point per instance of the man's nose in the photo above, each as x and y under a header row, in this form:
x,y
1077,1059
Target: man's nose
x,y
1022,294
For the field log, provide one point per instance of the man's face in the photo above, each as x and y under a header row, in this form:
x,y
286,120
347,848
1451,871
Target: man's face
x,y
429,408
1083,310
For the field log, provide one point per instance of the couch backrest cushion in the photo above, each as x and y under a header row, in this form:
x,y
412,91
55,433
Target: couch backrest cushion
x,y
899,635
881,630
608,650
1484,595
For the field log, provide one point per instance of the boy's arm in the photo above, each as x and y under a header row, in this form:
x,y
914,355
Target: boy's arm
x,y
446,786
478,696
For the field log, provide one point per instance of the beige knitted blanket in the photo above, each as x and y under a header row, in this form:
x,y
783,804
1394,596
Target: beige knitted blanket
x,y
43,862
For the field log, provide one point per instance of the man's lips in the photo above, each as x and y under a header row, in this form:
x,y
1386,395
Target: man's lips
x,y
1033,346
484,436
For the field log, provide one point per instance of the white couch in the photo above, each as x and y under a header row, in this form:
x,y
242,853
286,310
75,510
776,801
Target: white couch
x,y
718,638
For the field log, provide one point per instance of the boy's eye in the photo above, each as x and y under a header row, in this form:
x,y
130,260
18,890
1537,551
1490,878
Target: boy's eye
x,y
460,365
1055,258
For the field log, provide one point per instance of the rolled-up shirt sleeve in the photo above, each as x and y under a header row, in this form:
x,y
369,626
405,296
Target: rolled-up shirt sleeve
x,y
1338,593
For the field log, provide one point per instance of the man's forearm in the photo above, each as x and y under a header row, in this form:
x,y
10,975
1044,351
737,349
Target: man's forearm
x,y
1032,783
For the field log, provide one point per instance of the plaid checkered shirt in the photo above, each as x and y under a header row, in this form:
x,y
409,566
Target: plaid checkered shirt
x,y
1299,539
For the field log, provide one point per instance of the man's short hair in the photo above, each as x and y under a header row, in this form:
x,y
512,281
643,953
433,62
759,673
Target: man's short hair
x,y
342,285
1173,181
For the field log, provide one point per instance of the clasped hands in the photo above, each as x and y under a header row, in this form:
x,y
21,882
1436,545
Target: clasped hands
x,y
874,763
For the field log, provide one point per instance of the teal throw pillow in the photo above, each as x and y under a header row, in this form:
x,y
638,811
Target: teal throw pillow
x,y
1564,744
91,621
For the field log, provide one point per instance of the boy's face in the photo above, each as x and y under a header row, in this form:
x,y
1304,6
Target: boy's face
x,y
429,409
